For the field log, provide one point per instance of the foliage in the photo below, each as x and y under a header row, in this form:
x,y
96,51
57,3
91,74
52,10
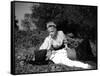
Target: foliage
x,y
15,23
80,20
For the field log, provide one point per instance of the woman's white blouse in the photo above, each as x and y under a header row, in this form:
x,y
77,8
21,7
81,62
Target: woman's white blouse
x,y
55,42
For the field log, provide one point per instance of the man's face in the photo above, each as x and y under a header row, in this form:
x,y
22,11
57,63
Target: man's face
x,y
52,30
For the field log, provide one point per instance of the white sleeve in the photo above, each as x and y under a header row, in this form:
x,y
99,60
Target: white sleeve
x,y
63,35
45,44
64,39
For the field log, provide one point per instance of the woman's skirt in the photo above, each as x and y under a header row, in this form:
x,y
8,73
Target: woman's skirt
x,y
61,57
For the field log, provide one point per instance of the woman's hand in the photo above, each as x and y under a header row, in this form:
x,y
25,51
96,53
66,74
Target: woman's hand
x,y
66,47
49,52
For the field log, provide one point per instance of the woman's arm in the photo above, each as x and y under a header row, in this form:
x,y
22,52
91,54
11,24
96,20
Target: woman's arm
x,y
64,40
44,45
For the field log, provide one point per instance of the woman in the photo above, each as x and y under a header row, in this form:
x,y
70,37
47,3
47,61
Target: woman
x,y
56,44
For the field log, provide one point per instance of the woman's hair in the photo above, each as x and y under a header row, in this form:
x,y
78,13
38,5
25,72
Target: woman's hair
x,y
51,23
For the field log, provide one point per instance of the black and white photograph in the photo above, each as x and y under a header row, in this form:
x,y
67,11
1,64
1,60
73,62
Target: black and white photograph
x,y
53,37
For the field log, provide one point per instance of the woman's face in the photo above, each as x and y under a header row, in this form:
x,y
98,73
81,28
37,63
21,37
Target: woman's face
x,y
52,31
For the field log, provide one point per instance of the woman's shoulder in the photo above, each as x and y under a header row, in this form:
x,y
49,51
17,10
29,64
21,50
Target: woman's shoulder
x,y
47,38
60,32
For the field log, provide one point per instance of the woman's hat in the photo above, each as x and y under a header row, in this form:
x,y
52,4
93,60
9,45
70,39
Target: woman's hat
x,y
49,24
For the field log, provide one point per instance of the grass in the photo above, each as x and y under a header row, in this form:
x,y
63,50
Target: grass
x,y
25,45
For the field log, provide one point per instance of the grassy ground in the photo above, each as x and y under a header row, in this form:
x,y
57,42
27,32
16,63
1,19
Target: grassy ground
x,y
29,68
25,45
